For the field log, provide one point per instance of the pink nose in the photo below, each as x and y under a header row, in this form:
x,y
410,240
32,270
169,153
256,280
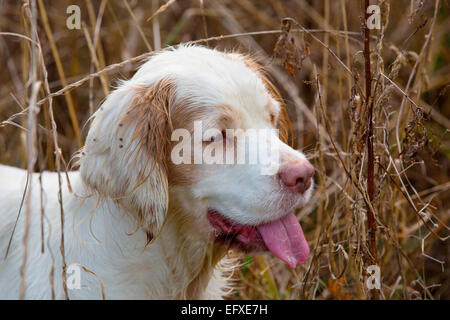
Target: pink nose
x,y
297,178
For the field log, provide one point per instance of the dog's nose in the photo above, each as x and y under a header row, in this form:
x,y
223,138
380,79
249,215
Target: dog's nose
x,y
297,178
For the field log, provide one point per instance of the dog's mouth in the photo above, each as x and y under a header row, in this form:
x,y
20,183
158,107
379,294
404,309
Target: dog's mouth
x,y
283,237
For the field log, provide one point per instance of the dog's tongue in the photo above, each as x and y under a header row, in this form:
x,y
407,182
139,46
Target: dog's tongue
x,y
284,237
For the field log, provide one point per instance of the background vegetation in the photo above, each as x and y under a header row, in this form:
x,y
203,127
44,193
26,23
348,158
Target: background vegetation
x,y
379,140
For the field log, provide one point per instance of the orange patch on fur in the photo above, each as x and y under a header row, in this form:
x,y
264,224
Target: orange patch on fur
x,y
284,123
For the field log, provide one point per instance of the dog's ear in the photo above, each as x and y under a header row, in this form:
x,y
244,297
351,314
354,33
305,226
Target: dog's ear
x,y
126,151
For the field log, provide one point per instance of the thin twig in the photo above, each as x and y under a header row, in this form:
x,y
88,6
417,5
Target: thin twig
x,y
370,152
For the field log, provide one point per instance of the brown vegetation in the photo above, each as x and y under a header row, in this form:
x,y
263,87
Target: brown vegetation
x,y
370,108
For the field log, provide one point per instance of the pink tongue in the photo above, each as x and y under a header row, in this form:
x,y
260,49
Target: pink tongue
x,y
284,237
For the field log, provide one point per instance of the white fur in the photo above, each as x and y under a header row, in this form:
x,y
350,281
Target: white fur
x,y
105,231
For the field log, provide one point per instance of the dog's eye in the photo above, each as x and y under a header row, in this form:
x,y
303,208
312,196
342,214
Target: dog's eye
x,y
218,137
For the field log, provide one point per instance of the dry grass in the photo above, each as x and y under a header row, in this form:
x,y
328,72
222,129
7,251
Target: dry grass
x,y
380,143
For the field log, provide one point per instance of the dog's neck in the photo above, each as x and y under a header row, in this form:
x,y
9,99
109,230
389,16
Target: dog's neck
x,y
203,260
181,262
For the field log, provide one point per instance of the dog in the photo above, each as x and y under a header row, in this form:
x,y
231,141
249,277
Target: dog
x,y
137,223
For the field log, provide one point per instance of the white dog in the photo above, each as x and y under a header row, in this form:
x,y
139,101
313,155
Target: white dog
x,y
138,225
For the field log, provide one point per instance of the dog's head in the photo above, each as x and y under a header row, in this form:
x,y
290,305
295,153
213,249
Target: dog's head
x,y
209,129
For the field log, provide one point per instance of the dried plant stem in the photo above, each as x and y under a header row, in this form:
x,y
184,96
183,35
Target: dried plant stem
x,y
138,27
95,60
412,76
371,225
146,55
59,66
205,28
96,25
31,142
31,160
58,159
